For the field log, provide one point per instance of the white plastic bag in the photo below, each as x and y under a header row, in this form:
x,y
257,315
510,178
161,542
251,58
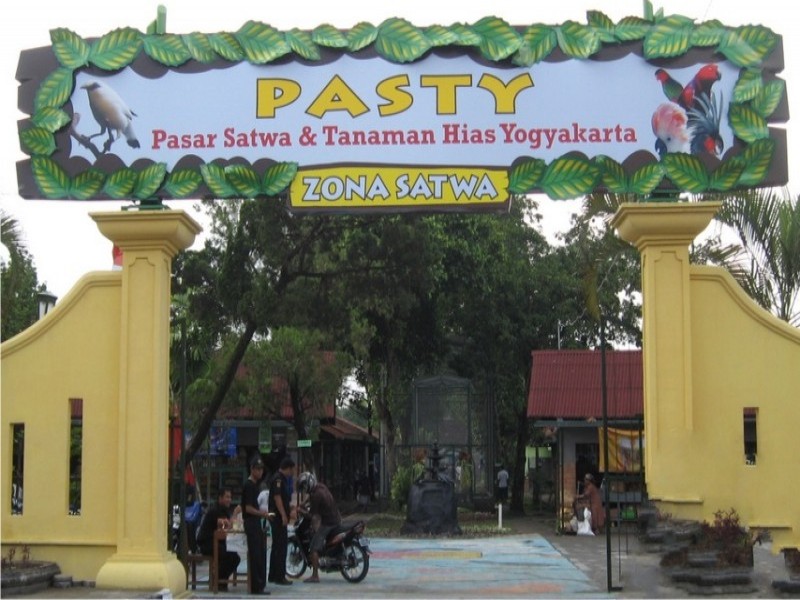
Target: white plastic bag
x,y
585,526
263,500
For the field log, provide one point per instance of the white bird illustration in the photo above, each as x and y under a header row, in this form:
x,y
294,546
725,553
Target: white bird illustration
x,y
111,113
670,123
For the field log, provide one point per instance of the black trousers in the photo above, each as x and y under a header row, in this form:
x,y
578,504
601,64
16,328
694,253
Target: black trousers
x,y
256,555
277,557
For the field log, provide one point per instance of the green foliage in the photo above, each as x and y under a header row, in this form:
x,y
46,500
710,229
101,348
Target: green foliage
x,y
768,226
19,285
401,486
402,295
399,41
294,366
467,473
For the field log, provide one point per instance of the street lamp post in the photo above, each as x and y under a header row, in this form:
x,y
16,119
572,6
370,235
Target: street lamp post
x,y
47,301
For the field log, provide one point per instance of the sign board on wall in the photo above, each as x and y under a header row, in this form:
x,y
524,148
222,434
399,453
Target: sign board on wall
x,y
398,117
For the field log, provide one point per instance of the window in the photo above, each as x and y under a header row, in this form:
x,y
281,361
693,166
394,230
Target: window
x,y
17,466
750,417
75,454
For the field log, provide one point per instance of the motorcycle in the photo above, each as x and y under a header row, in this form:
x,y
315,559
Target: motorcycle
x,y
345,550
193,514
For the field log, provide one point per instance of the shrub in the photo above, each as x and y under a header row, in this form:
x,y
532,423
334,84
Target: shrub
x,y
401,485
727,535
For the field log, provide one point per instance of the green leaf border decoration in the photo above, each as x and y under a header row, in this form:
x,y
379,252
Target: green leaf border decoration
x,y
396,40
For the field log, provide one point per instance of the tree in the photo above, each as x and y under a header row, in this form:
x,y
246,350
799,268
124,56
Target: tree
x,y
18,281
261,268
294,367
11,233
499,298
768,225
386,291
608,273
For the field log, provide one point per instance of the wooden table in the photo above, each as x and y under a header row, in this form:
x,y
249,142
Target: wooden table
x,y
234,540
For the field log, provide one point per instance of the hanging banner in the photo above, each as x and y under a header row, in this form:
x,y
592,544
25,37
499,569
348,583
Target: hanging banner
x,y
397,117
625,447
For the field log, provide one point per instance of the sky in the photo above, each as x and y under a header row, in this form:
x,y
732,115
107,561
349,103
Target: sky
x,y
64,241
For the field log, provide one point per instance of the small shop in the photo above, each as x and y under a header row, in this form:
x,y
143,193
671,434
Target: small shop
x,y
565,401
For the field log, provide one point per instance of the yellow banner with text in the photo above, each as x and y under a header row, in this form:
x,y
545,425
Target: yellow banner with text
x,y
350,187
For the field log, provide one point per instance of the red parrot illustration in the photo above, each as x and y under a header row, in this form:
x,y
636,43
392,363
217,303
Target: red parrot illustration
x,y
672,89
699,85
690,121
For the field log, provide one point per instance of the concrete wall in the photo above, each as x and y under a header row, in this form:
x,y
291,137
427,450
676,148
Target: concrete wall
x,y
37,385
107,344
710,352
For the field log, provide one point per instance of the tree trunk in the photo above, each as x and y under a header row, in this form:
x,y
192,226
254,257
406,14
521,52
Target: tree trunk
x,y
219,394
518,479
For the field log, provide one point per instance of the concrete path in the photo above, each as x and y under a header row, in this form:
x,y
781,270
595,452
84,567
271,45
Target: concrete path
x,y
520,566
530,565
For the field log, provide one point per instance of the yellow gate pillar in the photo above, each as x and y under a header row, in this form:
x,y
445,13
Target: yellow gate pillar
x,y
662,232
148,240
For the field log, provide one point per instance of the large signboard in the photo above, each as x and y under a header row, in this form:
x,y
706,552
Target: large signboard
x,y
398,117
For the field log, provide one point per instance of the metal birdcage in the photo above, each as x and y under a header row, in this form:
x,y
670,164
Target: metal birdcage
x,y
447,410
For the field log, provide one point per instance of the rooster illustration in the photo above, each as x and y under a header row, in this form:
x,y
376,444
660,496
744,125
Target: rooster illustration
x,y
704,120
690,121
111,113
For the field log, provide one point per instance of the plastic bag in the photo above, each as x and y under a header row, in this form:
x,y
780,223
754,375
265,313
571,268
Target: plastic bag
x,y
585,526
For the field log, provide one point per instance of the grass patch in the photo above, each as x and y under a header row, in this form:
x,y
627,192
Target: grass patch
x,y
472,525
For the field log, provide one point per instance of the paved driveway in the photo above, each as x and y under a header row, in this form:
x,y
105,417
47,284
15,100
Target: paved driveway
x,y
521,566
515,566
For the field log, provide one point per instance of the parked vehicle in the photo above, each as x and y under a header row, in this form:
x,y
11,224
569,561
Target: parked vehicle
x,y
193,514
345,551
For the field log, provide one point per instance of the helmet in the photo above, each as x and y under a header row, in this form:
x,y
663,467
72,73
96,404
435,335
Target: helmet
x,y
306,482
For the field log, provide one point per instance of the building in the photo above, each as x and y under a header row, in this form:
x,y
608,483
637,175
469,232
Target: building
x,y
565,401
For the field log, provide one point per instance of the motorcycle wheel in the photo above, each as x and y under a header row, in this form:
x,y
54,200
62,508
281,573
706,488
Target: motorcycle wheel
x,y
296,563
355,563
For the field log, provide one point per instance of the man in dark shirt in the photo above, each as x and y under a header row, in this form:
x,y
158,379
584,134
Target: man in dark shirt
x,y
279,504
218,516
324,517
252,515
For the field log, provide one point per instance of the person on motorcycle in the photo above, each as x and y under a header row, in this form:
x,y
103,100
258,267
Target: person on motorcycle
x,y
324,517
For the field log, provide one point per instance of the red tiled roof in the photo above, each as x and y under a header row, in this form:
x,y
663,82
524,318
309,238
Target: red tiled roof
x,y
567,384
286,412
343,429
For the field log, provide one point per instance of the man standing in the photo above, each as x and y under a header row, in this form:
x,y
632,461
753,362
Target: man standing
x,y
218,516
279,503
324,517
502,485
252,515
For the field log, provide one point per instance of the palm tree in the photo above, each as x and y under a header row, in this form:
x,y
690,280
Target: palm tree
x,y
11,234
768,225
18,280
766,264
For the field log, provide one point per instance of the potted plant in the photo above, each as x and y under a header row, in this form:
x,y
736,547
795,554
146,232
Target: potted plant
x,y
719,554
24,575
728,539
